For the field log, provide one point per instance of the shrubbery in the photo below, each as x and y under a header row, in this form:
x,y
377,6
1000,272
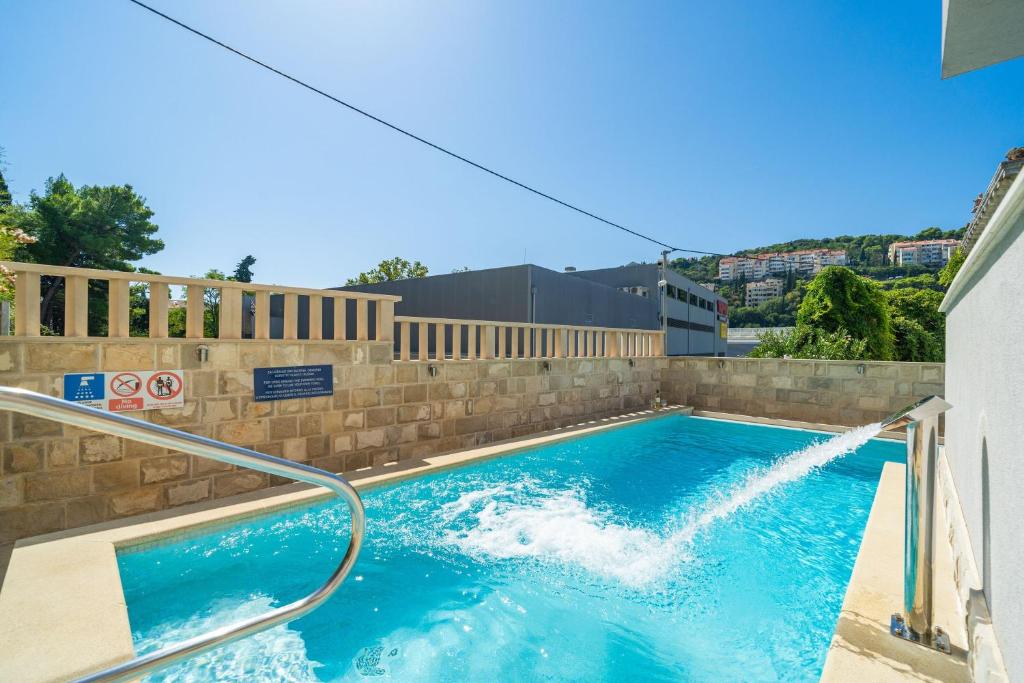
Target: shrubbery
x,y
844,316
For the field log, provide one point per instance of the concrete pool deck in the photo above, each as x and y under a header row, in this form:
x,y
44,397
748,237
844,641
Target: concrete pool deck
x,y
62,607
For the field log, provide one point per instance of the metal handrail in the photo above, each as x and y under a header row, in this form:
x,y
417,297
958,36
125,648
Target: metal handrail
x,y
48,407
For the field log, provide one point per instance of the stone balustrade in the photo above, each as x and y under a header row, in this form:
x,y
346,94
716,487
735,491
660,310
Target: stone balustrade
x,y
328,312
440,338
28,277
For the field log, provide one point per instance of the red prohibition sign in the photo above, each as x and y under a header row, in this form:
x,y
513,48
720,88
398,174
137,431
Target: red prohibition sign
x,y
125,384
163,386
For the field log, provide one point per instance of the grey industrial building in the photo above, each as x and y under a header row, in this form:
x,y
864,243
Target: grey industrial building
x,y
627,297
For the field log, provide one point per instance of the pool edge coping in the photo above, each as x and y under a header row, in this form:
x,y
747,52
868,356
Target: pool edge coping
x,y
74,632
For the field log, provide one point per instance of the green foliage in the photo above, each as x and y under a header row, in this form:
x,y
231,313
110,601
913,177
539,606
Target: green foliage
x,y
243,271
774,313
919,305
913,342
176,322
91,226
390,269
138,303
808,342
949,271
5,192
211,304
919,329
699,269
926,281
839,299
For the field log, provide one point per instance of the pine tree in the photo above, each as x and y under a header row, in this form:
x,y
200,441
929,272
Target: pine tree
x,y
5,193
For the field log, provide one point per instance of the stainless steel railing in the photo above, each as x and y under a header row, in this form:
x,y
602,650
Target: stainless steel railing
x,y
48,407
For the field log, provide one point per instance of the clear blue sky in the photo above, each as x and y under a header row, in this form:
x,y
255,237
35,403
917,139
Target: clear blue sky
x,y
715,126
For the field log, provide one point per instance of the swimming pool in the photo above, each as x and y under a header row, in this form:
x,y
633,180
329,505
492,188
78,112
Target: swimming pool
x,y
590,559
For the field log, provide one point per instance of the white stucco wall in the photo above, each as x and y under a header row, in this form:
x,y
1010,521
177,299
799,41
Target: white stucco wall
x,y
985,385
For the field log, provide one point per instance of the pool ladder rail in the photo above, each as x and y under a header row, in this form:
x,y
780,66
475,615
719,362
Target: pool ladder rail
x,y
51,408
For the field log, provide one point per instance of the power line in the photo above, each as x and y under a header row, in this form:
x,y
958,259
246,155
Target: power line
x,y
409,134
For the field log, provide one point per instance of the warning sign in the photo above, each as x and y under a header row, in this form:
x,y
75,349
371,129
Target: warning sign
x,y
124,391
125,384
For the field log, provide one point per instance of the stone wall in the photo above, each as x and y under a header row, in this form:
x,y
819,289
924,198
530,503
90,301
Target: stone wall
x,y
54,477
830,392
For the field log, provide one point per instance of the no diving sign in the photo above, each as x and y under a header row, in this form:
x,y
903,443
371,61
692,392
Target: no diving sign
x,y
124,391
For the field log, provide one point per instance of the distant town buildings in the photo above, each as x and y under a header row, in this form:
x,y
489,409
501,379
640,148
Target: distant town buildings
x,y
760,266
759,292
924,252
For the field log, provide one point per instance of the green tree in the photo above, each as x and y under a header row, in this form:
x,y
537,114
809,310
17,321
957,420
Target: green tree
x,y
390,269
932,233
211,304
919,329
243,271
912,342
952,267
92,226
919,305
5,192
839,299
138,303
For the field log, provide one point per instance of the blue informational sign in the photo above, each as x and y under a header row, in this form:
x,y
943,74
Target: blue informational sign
x,y
85,387
300,381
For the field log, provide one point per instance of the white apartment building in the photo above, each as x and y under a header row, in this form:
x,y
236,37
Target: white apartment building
x,y
760,266
924,252
759,292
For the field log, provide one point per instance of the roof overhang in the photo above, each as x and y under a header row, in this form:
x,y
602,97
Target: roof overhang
x,y
977,33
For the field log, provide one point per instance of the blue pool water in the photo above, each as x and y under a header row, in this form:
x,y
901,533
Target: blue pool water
x,y
622,556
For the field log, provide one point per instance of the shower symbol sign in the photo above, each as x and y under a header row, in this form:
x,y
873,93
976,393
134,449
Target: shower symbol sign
x,y
124,391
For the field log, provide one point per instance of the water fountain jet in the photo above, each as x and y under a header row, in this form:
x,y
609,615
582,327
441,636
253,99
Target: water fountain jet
x,y
922,422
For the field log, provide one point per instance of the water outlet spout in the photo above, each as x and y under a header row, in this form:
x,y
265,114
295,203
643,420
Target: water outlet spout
x,y
916,622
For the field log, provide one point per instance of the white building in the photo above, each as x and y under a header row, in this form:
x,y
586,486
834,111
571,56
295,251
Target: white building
x,y
760,266
764,290
923,252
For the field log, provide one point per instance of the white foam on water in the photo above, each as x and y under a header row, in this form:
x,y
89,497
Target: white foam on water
x,y
277,654
522,520
557,526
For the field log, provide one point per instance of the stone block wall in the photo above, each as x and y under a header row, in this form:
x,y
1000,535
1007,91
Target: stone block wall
x,y
55,477
831,392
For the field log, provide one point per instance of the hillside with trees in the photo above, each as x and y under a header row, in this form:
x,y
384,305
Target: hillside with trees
x,y
867,256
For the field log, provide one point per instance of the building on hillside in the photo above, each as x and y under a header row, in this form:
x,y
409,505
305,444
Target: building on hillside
x,y
759,266
628,297
923,252
764,290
